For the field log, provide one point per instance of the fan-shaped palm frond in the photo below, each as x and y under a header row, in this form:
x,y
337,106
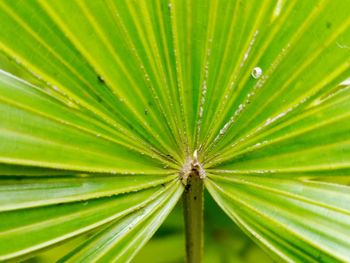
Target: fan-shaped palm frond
x,y
132,103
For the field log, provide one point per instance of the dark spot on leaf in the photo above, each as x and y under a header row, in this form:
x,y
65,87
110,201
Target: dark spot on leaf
x,y
163,185
169,157
328,24
100,79
195,197
146,112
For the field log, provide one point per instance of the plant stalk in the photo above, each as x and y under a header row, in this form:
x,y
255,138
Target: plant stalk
x,y
193,216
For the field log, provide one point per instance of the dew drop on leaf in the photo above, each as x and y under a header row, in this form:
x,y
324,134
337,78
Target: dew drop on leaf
x,y
256,72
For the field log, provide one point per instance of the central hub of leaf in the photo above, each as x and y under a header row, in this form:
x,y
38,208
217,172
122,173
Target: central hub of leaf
x,y
192,168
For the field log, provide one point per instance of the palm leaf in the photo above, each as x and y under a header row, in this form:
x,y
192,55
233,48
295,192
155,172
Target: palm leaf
x,y
121,95
46,225
296,220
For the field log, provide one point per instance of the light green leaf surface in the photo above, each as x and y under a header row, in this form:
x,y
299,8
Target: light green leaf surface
x,y
20,193
296,220
57,141
47,225
121,241
122,93
299,54
316,139
91,71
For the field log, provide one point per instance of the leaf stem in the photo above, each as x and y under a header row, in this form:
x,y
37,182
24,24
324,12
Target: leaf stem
x,y
193,216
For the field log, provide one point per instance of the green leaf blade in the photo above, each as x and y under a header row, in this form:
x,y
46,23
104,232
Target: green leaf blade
x,y
312,216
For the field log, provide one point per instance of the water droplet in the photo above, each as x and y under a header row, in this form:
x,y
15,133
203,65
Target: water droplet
x,y
257,144
56,88
278,8
256,72
345,82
